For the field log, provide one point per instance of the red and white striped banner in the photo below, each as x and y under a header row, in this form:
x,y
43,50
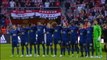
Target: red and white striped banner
x,y
51,14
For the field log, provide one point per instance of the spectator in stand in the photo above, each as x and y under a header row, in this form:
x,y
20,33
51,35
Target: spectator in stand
x,y
67,5
32,3
47,4
2,21
4,3
22,3
57,3
12,4
18,3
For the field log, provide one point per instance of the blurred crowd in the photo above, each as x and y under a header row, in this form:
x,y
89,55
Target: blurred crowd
x,y
80,10
72,10
31,3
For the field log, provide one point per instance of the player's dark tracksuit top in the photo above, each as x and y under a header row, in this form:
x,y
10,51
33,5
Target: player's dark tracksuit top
x,y
14,34
40,33
89,35
32,34
49,32
73,34
64,35
24,35
83,33
57,34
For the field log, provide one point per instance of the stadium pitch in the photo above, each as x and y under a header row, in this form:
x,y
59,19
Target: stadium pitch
x,y
5,53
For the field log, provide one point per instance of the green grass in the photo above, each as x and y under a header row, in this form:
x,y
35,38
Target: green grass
x,y
5,53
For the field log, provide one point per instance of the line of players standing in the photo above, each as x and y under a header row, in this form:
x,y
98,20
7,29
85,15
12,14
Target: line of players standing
x,y
64,36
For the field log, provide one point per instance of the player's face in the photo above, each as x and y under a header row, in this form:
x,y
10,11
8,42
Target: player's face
x,y
89,24
81,25
95,22
39,23
14,27
48,25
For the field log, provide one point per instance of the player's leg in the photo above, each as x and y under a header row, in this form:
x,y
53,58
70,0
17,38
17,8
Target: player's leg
x,y
27,50
92,49
51,48
88,49
55,49
100,50
22,49
72,45
47,49
35,49
96,51
61,49
12,50
77,49
68,48
17,49
85,49
38,48
81,49
31,49
43,46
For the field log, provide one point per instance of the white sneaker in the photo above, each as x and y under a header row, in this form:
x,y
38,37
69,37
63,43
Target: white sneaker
x,y
47,55
53,55
30,55
11,55
43,55
37,55
91,57
87,56
17,55
77,56
99,56
72,55
21,55
27,55
60,55
96,56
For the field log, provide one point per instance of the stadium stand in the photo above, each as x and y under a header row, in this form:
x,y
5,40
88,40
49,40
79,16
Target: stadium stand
x,y
71,10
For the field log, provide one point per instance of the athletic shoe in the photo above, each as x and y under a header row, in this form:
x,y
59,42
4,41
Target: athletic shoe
x,y
96,56
99,56
37,55
17,55
43,55
60,55
21,55
53,55
11,55
30,55
91,56
27,55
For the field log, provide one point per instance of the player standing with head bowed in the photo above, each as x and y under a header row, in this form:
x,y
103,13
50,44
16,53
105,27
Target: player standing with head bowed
x,y
74,38
14,38
82,42
24,40
56,37
32,38
49,38
40,38
97,32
